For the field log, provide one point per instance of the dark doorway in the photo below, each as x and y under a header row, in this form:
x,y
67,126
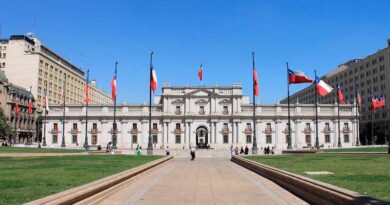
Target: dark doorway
x,y
202,139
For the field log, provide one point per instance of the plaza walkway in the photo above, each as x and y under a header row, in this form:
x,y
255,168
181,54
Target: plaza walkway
x,y
203,181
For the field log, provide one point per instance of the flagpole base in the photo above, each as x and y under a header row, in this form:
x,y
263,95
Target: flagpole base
x,y
149,152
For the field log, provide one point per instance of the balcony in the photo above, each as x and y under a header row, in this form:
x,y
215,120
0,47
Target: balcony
x,y
268,130
346,129
154,131
94,131
225,130
134,131
201,112
307,130
287,130
225,112
177,131
178,112
55,131
248,130
327,130
74,131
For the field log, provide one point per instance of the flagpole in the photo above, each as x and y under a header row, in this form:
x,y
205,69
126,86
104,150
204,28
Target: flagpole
x,y
63,117
150,146
254,146
29,124
44,120
384,98
317,145
338,115
357,117
86,112
372,117
289,117
114,125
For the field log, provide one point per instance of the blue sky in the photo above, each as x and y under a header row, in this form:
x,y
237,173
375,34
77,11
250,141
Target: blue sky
x,y
308,34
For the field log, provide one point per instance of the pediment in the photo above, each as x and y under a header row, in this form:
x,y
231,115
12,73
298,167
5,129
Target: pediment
x,y
200,92
225,101
201,101
178,101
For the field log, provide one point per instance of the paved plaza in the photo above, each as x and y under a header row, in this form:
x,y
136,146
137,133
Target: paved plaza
x,y
203,181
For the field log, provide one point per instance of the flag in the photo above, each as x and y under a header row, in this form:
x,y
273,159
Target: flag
x,y
340,94
87,99
30,103
359,100
378,102
200,73
322,88
153,79
46,102
295,77
255,83
113,87
17,106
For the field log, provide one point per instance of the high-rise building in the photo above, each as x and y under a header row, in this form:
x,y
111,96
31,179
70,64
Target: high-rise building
x,y
369,76
27,62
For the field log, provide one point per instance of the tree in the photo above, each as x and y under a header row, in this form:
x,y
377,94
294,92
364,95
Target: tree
x,y
5,128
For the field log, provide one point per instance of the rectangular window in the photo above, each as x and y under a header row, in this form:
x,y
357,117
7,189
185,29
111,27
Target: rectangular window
x,y
225,110
346,138
268,139
201,110
134,139
94,126
74,126
154,126
74,139
308,126
249,139
327,127
55,126
177,126
154,139
134,126
94,140
178,111
308,139
225,139
55,139
248,126
268,126
178,139
327,138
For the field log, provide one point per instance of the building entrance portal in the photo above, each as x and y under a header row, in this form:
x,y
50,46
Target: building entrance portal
x,y
202,138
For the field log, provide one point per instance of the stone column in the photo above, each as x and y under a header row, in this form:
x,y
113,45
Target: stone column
x,y
237,133
297,131
335,133
277,122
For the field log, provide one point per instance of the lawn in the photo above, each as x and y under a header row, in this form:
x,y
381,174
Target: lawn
x,y
37,150
27,179
365,174
358,149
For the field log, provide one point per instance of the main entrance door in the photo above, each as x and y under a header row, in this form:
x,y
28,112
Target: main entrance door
x,y
202,139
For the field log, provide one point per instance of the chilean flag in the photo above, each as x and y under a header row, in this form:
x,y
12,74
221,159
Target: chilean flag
x,y
87,99
153,79
340,94
113,86
295,77
200,73
255,83
378,102
322,88
359,100
17,106
30,103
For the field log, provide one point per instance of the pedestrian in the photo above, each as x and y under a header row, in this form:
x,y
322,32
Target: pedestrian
x,y
138,150
109,147
246,150
167,151
236,151
192,153
99,148
242,150
231,150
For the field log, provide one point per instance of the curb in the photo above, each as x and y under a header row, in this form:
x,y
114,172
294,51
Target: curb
x,y
312,191
82,192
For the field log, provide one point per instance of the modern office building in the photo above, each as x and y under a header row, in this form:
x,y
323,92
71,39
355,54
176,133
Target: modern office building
x,y
370,77
214,116
27,62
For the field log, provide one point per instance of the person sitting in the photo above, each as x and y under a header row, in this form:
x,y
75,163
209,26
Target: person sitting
x,y
246,150
167,151
99,148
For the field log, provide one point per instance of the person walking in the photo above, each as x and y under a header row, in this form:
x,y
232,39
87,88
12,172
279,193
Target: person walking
x,y
192,153
242,151
246,150
109,147
167,151
231,150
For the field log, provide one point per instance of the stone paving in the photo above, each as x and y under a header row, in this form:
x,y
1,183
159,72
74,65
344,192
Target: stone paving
x,y
203,181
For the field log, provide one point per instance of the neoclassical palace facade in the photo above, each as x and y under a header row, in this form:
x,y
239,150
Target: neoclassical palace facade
x,y
215,116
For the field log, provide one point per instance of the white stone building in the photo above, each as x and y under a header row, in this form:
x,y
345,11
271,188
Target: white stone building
x,y
216,116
